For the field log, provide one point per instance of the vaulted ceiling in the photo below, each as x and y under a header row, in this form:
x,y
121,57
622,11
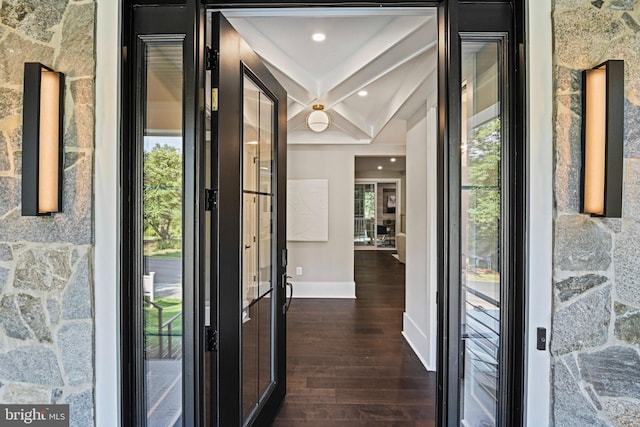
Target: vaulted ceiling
x,y
389,53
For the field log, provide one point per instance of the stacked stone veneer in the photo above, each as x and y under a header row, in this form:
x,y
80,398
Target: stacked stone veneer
x,y
46,301
595,341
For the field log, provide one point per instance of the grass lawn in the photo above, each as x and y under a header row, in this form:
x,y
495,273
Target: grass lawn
x,y
484,275
170,307
164,253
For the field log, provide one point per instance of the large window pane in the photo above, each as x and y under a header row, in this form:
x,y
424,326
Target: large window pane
x,y
257,253
162,224
386,215
364,210
482,137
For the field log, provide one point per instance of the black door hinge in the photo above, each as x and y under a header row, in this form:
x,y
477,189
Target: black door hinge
x,y
211,339
211,58
211,200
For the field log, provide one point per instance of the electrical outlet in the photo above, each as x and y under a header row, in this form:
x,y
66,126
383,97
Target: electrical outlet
x,y
298,271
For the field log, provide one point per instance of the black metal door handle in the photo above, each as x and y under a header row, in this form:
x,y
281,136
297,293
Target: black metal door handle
x,y
289,285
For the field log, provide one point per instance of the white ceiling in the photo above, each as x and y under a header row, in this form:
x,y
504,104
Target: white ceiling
x,y
391,53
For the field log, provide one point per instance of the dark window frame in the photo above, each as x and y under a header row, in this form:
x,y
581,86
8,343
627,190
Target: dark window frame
x,y
139,25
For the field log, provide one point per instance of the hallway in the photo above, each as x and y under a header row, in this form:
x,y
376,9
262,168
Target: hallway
x,y
348,364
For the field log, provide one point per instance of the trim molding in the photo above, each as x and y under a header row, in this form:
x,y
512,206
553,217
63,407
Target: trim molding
x,y
106,273
417,340
539,209
324,290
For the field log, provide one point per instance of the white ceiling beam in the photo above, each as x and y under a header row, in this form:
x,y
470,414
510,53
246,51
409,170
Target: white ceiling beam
x,y
298,120
412,83
415,107
339,121
381,67
262,44
387,38
405,80
293,109
295,90
330,137
418,42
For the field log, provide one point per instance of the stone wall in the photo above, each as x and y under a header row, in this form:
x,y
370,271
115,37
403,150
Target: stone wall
x,y
46,302
595,339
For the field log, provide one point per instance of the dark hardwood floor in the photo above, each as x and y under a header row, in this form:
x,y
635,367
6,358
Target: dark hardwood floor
x,y
348,364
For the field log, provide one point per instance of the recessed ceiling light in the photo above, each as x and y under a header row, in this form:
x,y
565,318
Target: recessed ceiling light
x,y
379,168
392,160
318,37
363,93
252,142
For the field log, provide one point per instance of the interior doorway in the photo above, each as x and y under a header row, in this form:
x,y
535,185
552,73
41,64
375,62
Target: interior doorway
x,y
375,75
379,217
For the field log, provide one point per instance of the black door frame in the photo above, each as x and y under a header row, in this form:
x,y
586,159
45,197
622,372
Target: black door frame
x,y
191,23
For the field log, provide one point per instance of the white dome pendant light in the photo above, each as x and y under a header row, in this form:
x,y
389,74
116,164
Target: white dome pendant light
x,y
318,120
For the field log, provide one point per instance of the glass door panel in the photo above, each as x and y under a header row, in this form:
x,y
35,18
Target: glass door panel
x,y
481,150
364,209
386,215
162,233
257,279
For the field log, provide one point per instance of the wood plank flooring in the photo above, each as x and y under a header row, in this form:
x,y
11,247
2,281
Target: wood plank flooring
x,y
348,364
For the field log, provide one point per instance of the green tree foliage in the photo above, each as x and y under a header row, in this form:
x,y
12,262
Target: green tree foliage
x,y
163,194
483,174
370,204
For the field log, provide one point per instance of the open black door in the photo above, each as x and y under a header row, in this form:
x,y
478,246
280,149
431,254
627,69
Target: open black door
x,y
246,173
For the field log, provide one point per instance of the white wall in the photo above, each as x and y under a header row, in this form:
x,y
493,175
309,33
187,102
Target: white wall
x,y
327,267
403,202
415,323
540,208
383,174
106,292
419,321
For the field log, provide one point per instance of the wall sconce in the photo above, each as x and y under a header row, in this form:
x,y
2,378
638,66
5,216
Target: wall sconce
x,y
602,139
42,132
318,120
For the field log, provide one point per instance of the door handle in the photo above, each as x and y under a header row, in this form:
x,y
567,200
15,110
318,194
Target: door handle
x,y
289,285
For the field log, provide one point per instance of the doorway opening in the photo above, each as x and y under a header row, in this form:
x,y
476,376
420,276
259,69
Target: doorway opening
x,y
361,114
375,75
379,213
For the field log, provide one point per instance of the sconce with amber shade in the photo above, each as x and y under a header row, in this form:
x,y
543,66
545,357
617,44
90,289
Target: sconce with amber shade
x,y
42,133
602,139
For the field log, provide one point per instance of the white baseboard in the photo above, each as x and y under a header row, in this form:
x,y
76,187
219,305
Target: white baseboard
x,y
324,289
417,340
